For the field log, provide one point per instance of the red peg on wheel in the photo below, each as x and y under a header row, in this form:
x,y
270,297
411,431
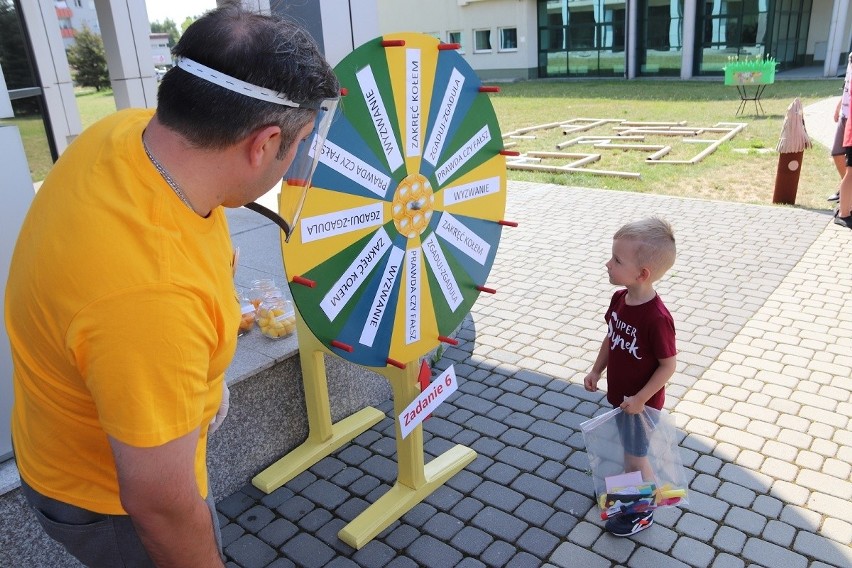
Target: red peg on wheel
x,y
507,223
488,89
304,281
509,153
445,339
486,290
448,46
395,363
393,42
342,346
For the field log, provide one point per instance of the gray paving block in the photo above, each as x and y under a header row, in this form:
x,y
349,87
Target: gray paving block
x,y
383,446
278,532
545,411
465,481
523,559
728,561
574,503
374,554
255,518
569,555
403,562
515,437
419,515
298,483
551,431
730,540
534,512
499,413
467,508
693,552
497,495
516,402
519,420
747,521
444,498
488,446
521,459
315,520
380,467
548,448
538,542
364,485
645,557
342,562
499,553
475,404
443,526
486,426
354,507
471,541
537,488
295,508
501,473
707,506
442,427
550,470
307,550
768,554
577,480
823,549
235,505
429,552
250,552
354,454
500,524
400,537
230,533
277,497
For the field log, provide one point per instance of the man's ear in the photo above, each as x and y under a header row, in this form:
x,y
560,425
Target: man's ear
x,y
262,142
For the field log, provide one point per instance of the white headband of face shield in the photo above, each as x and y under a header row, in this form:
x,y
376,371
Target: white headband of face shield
x,y
234,84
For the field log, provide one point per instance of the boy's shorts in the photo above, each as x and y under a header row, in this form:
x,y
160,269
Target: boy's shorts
x,y
634,430
837,148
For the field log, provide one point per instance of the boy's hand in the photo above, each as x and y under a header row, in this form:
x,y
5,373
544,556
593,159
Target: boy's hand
x,y
591,381
631,405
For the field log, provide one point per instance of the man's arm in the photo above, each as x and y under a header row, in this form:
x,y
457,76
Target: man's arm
x,y
158,490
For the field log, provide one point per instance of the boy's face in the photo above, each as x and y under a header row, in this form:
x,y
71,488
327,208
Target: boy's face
x,y
622,268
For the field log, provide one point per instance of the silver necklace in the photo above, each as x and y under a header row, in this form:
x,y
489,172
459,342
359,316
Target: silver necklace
x,y
166,176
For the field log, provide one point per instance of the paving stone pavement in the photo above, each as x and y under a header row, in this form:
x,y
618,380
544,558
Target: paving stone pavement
x,y
762,398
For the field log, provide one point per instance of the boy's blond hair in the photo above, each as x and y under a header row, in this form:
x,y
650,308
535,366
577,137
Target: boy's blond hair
x,y
655,244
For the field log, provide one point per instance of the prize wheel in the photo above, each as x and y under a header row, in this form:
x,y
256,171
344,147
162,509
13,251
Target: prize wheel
x,y
400,227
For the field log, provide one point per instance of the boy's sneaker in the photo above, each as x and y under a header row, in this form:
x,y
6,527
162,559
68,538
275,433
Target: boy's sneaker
x,y
835,197
628,524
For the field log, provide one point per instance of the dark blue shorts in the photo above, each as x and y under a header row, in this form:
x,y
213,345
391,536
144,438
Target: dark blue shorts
x,y
635,430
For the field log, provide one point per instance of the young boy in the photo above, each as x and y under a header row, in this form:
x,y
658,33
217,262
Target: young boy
x,y
638,351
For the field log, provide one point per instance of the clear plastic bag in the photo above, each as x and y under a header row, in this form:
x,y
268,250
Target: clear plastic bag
x,y
619,491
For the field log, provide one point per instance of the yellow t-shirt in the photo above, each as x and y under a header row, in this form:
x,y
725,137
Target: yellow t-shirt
x,y
121,314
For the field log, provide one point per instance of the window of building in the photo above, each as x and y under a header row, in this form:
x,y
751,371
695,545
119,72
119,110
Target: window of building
x,y
578,39
456,37
481,41
508,39
660,43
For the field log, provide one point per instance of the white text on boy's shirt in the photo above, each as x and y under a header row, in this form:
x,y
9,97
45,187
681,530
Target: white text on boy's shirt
x,y
616,331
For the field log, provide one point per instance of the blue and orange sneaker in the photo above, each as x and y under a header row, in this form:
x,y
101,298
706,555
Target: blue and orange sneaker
x,y
629,524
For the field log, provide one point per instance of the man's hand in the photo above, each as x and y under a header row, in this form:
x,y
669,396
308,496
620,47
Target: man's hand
x,y
223,409
158,490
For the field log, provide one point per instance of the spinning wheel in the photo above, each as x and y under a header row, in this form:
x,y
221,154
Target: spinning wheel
x,y
400,227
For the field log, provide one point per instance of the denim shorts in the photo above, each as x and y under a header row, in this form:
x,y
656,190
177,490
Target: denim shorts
x,y
95,539
634,430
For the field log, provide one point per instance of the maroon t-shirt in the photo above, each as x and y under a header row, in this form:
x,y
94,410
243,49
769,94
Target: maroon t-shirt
x,y
638,336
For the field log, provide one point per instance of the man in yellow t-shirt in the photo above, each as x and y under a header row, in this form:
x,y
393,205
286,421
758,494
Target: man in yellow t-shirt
x,y
120,304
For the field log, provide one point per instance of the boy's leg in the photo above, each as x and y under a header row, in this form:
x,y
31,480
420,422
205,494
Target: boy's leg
x,y
634,439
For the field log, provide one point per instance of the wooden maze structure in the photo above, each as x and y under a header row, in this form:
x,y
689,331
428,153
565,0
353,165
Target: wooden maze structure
x,y
627,136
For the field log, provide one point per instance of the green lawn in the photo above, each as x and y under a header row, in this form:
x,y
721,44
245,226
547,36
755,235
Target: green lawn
x,y
739,170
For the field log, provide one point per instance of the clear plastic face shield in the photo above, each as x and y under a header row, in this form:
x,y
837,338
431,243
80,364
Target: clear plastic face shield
x,y
297,179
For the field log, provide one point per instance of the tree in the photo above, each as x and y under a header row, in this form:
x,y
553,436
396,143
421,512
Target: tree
x,y
87,57
167,27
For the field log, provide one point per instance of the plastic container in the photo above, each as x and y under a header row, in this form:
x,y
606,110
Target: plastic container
x,y
247,316
276,316
259,289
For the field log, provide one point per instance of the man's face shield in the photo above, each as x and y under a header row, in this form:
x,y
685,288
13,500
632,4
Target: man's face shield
x,y
297,178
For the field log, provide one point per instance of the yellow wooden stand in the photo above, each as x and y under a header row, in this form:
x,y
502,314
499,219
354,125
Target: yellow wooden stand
x,y
415,479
